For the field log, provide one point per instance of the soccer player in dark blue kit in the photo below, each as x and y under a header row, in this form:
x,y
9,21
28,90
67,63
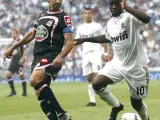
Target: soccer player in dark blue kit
x,y
52,30
17,65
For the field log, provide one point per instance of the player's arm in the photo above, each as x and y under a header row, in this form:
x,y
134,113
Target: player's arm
x,y
136,13
22,60
69,44
96,39
27,38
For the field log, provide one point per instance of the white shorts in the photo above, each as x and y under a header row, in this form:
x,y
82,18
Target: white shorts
x,y
137,79
92,62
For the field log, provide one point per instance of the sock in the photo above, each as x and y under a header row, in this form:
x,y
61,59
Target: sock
x,y
143,112
107,96
11,84
47,94
48,110
91,93
24,86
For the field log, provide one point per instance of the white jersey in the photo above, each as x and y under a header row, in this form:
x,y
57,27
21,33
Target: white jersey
x,y
124,32
87,30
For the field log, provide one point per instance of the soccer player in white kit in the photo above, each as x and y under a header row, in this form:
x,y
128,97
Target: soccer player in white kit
x,y
129,61
91,66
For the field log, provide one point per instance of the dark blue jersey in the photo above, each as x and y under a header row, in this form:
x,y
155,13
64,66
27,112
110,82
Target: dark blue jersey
x,y
50,30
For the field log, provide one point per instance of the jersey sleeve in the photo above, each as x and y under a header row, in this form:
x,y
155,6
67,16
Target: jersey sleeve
x,y
107,34
135,21
77,36
66,24
36,23
100,30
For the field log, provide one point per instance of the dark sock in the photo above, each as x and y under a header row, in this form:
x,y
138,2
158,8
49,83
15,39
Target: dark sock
x,y
47,109
24,86
11,84
47,94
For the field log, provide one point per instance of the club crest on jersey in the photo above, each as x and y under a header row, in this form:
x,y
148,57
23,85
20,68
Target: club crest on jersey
x,y
41,33
122,25
49,23
67,20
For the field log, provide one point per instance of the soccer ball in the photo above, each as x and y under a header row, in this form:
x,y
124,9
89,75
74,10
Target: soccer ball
x,y
130,116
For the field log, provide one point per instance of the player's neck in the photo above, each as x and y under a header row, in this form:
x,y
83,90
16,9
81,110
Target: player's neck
x,y
88,22
53,10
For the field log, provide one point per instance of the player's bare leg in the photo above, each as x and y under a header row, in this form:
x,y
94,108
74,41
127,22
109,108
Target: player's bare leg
x,y
46,97
100,87
140,107
11,84
24,84
91,92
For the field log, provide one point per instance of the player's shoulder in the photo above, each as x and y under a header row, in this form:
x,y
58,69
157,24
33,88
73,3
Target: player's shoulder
x,y
96,24
81,26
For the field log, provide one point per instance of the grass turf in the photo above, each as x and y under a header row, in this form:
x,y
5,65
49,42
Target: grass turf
x,y
73,97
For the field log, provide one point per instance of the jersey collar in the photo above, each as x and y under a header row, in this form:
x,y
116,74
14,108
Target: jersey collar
x,y
55,12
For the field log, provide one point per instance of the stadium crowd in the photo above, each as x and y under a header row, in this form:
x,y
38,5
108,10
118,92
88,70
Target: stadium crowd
x,y
23,14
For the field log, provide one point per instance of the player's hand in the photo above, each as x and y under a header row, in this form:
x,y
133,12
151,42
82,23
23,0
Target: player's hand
x,y
21,61
57,62
8,53
123,4
105,58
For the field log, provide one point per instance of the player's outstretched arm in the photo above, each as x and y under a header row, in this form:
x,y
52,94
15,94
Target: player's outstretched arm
x,y
27,38
96,39
137,13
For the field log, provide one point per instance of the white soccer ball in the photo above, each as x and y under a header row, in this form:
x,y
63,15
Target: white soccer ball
x,y
130,116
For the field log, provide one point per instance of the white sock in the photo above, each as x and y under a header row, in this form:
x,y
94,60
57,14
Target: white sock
x,y
107,96
91,93
143,112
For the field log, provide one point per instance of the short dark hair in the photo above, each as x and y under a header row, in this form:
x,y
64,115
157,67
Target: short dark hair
x,y
88,8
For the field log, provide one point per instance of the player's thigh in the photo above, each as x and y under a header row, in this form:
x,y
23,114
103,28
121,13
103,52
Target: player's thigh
x,y
138,83
13,68
20,71
52,72
97,66
90,77
111,72
36,77
87,69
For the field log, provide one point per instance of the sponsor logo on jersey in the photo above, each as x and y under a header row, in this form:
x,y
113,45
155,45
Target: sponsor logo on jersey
x,y
41,33
67,20
49,23
43,61
86,36
122,36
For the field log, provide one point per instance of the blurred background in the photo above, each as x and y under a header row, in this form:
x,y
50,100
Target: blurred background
x,y
23,14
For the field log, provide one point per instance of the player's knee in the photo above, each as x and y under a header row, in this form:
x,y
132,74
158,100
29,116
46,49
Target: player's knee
x,y
98,88
136,103
21,76
36,77
9,75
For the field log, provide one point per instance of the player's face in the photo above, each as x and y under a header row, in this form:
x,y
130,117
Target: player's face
x,y
88,16
115,7
14,34
54,4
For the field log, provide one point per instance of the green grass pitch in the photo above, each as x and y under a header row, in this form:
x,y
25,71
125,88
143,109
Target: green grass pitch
x,y
73,97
